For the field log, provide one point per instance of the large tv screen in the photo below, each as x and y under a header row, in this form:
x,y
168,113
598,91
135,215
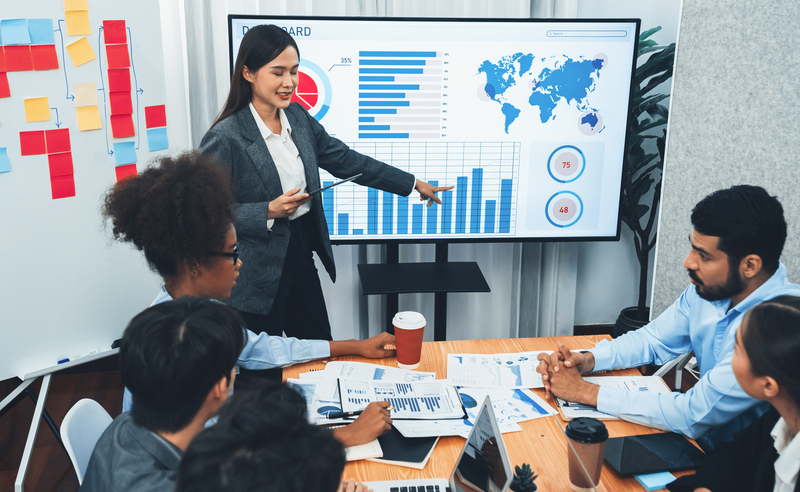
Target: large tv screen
x,y
526,118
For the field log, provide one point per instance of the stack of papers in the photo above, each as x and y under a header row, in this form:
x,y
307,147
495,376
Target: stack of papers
x,y
512,371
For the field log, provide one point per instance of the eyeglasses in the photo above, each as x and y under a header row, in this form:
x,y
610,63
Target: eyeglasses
x,y
234,255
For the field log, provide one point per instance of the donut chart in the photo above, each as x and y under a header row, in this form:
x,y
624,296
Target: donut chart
x,y
566,164
564,209
313,90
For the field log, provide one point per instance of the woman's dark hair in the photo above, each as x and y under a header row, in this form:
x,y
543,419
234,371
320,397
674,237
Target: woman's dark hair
x,y
177,210
772,342
260,45
172,354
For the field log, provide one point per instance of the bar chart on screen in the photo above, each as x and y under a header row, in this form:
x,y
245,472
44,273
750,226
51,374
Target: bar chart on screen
x,y
485,176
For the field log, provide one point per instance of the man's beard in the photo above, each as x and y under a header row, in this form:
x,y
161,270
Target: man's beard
x,y
733,285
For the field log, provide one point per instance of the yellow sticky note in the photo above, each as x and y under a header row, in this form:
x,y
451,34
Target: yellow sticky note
x,y
78,23
81,52
85,94
89,118
37,109
72,5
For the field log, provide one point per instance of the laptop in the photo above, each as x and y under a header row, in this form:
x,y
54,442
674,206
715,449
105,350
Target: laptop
x,y
482,466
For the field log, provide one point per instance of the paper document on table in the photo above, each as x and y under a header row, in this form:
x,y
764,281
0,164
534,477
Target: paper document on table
x,y
494,370
363,371
317,410
430,400
571,410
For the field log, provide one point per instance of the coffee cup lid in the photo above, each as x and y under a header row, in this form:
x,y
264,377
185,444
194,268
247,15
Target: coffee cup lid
x,y
409,320
587,430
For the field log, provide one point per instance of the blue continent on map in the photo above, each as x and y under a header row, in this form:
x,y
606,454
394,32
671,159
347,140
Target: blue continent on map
x,y
563,79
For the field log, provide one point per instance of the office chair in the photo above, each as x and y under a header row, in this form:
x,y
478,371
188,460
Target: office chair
x,y
80,430
678,363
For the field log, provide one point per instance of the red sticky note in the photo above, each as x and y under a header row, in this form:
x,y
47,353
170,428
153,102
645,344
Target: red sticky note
x,y
122,126
44,57
114,31
5,91
119,80
155,116
125,171
3,60
118,56
60,164
18,58
57,140
31,143
121,103
62,186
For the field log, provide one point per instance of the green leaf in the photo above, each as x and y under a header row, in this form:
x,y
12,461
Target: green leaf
x,y
646,34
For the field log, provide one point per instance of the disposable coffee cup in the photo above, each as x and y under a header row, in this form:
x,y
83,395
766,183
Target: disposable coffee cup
x,y
409,326
588,438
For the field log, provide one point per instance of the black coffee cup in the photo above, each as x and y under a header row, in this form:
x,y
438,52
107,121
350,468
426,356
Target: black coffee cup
x,y
588,438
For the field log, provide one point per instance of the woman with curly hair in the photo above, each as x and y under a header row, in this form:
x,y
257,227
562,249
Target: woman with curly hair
x,y
180,214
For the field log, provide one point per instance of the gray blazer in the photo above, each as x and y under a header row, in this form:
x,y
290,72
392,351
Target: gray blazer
x,y
237,142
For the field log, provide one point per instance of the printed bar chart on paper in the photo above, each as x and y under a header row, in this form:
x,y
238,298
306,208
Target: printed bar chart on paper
x,y
418,400
483,200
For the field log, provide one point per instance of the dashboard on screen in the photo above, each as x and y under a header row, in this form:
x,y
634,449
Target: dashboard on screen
x,y
526,119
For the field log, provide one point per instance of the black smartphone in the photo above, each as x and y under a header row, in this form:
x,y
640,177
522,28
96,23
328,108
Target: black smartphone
x,y
346,180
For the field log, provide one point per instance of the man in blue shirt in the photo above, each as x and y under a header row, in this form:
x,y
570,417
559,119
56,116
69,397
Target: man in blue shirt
x,y
737,238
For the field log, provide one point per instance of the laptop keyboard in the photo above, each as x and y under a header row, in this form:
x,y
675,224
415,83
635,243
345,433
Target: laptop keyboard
x,y
417,488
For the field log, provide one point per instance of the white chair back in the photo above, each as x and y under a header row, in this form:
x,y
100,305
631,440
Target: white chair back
x,y
80,430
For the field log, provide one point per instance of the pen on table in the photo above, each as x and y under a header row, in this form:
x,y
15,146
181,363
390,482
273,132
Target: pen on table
x,y
342,415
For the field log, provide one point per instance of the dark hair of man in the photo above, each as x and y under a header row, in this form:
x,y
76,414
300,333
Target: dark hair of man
x,y
172,355
262,442
177,210
747,220
772,341
260,45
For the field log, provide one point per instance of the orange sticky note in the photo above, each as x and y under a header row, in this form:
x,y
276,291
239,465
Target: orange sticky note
x,y
81,52
37,109
78,23
89,118
72,5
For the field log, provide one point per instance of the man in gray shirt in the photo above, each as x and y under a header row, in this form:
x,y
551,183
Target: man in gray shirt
x,y
177,359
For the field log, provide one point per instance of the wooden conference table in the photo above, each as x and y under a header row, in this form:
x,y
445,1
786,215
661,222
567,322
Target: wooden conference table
x,y
540,444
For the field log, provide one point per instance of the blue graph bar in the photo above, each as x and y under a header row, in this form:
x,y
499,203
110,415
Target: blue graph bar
x,y
461,204
475,206
388,87
358,232
376,78
366,119
433,213
388,212
391,62
447,210
381,95
505,205
377,111
488,221
372,211
327,205
383,103
343,225
383,135
373,127
420,54
395,71
402,215
416,219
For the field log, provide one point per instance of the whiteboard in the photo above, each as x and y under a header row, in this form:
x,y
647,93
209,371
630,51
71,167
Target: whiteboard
x,y
66,288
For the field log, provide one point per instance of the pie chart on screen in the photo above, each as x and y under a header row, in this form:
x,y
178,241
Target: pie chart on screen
x,y
313,90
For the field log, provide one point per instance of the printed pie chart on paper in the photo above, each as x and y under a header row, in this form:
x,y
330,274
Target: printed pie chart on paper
x,y
313,90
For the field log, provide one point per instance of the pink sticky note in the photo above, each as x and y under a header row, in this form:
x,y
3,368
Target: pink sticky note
x,y
44,57
119,80
57,140
118,56
62,186
121,103
155,116
18,58
125,171
32,143
122,126
60,164
5,91
114,31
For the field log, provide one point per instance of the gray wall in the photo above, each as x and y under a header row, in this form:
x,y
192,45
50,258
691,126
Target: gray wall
x,y
735,119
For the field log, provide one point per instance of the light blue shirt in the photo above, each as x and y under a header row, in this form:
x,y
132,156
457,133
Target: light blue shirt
x,y
261,351
690,324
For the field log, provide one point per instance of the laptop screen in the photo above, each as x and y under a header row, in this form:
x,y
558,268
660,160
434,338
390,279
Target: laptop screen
x,y
483,465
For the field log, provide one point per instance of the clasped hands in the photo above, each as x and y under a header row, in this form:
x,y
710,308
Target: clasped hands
x,y
561,374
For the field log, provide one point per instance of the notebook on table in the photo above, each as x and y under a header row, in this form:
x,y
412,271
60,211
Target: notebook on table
x,y
482,466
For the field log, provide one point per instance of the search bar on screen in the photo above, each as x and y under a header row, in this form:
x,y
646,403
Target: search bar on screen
x,y
587,34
